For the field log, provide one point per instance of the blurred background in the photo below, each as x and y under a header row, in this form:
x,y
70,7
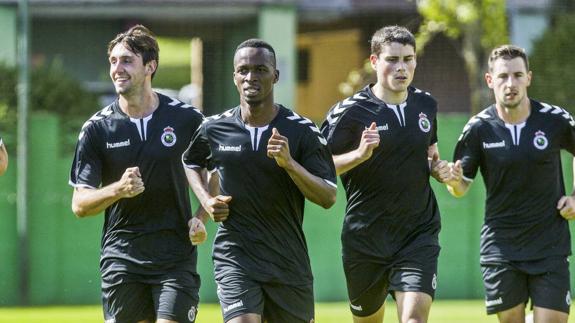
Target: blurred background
x,y
54,76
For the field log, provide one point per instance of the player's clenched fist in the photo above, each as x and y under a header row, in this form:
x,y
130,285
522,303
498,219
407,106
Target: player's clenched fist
x,y
369,141
131,183
456,172
218,207
278,148
566,207
197,231
440,169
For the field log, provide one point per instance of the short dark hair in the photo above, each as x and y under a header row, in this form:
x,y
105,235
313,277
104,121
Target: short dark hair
x,y
391,34
257,43
507,52
141,41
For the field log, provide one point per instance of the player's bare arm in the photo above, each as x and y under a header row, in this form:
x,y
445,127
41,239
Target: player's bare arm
x,y
216,206
197,229
456,184
89,201
566,204
439,168
3,158
312,187
369,141
198,233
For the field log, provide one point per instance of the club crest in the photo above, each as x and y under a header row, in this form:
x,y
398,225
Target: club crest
x,y
424,123
169,137
192,314
540,141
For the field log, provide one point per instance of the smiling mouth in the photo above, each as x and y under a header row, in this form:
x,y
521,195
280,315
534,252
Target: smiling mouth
x,y
252,90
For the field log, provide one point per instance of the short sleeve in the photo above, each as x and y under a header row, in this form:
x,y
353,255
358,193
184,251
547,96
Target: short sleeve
x,y
467,150
342,136
87,165
316,157
198,153
434,131
568,134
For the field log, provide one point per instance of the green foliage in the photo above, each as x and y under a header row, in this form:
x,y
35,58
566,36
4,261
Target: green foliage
x,y
552,63
476,25
51,90
459,18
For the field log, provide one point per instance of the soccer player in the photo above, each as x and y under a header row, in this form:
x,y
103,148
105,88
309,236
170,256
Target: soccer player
x,y
525,239
384,145
128,163
3,157
268,160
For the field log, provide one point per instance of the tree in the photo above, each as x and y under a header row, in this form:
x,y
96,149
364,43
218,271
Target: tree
x,y
552,63
476,25
51,90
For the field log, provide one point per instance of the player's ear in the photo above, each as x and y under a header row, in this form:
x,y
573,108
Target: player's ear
x,y
151,67
277,76
373,60
489,80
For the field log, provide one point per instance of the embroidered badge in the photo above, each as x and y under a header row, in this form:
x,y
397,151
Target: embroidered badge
x,y
169,137
424,123
540,141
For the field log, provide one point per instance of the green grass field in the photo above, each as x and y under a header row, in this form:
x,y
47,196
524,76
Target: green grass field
x,y
441,312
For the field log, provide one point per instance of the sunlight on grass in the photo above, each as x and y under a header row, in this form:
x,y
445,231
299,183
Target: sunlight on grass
x,y
441,312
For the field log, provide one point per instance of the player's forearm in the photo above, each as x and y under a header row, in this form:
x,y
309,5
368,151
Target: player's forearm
x,y
573,168
202,215
197,181
312,187
347,161
88,201
3,159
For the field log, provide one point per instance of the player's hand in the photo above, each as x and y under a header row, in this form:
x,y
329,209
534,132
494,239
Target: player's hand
x,y
197,231
566,207
131,183
455,173
218,207
440,169
369,141
278,149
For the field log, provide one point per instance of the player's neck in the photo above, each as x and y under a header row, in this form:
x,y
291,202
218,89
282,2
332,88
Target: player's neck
x,y
388,96
139,105
258,115
515,115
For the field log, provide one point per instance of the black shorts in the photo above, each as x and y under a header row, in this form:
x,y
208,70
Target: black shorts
x,y
546,282
172,296
368,282
278,303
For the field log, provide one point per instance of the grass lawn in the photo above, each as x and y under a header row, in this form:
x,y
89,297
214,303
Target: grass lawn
x,y
441,312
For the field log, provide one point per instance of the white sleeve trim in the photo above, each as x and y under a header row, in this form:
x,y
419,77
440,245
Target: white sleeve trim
x,y
330,183
80,185
191,166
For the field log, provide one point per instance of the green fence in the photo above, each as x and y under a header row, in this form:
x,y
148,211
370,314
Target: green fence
x,y
64,250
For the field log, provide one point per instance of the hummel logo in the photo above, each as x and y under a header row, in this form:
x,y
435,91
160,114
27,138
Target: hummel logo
x,y
229,148
497,301
232,306
124,143
488,145
383,128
